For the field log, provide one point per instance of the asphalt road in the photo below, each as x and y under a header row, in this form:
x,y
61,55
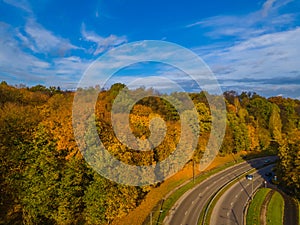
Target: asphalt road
x,y
230,207
187,209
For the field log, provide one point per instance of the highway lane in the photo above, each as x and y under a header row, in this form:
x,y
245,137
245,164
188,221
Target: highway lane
x,y
187,209
230,207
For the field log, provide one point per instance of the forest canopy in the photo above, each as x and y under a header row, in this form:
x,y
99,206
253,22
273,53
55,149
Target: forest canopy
x,y
45,180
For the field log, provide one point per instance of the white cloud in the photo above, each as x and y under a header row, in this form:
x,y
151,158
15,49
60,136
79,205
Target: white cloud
x,y
12,58
258,51
24,55
42,40
221,20
21,4
272,6
18,65
267,6
239,26
262,21
70,67
102,44
264,57
15,64
36,37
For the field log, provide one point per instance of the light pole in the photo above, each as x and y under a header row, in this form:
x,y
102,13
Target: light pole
x,y
193,171
252,188
151,216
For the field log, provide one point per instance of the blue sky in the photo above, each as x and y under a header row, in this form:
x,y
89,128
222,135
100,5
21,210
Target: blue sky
x,y
250,45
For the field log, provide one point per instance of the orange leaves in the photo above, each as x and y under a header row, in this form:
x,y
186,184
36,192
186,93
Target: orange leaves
x,y
253,138
58,120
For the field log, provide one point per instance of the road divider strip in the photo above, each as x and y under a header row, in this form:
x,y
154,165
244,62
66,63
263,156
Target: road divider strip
x,y
205,215
160,212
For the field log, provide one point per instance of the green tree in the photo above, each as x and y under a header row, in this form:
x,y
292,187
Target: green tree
x,y
74,181
16,126
275,124
95,201
42,180
261,109
289,164
239,131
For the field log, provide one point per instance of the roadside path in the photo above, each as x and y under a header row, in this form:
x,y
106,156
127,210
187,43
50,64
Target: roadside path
x,y
264,208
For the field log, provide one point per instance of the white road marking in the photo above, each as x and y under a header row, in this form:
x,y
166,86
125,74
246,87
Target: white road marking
x,y
186,212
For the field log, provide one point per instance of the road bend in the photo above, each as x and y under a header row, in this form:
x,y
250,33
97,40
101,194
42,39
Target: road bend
x,y
187,209
229,209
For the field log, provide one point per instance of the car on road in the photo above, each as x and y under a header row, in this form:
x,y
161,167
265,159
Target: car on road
x,y
267,161
249,177
269,174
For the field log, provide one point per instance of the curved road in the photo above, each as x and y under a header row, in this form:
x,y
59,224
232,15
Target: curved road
x,y
230,207
187,209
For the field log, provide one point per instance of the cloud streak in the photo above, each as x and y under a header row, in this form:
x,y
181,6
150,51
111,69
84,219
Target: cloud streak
x,y
20,65
257,51
262,21
13,60
41,40
102,43
32,54
267,6
258,63
21,4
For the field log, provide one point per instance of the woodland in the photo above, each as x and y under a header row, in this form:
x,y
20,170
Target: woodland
x,y
44,178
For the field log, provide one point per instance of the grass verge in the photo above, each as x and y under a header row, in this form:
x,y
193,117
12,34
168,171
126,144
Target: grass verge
x,y
206,215
275,210
171,200
253,214
153,200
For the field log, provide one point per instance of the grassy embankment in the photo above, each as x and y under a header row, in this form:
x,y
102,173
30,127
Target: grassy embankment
x,y
153,198
275,210
253,214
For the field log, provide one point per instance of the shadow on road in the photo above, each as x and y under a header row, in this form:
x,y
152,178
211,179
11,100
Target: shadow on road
x,y
291,208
